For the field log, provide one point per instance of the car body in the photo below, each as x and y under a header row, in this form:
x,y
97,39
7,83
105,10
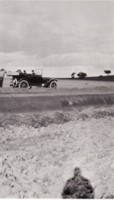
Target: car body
x,y
25,80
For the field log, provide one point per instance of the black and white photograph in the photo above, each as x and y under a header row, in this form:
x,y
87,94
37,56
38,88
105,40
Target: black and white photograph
x,y
57,99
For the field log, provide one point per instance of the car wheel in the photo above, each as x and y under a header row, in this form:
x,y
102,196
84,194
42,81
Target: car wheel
x,y
24,84
53,84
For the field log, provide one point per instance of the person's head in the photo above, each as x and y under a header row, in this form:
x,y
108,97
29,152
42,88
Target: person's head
x,y
77,171
33,72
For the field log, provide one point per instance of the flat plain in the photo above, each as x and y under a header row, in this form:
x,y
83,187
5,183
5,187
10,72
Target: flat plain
x,y
46,133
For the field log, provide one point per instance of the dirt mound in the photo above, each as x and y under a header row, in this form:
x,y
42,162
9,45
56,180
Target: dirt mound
x,y
39,150
34,120
43,119
36,162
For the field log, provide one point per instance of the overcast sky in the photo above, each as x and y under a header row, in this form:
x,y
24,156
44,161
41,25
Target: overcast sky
x,y
59,36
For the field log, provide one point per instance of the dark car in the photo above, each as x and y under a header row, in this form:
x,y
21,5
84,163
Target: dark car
x,y
25,80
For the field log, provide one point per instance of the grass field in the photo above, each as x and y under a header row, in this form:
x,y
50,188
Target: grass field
x,y
45,133
71,83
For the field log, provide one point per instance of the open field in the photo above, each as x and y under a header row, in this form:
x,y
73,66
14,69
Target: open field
x,y
71,83
45,133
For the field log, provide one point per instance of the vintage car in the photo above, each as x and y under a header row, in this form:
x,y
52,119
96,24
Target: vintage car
x,y
25,80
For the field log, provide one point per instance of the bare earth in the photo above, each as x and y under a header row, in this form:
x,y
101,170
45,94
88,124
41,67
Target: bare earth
x,y
39,150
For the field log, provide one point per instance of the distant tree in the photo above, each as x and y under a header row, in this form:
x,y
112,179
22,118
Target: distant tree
x,y
107,72
73,75
81,75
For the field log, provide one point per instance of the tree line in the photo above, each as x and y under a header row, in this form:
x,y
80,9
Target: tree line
x,y
82,75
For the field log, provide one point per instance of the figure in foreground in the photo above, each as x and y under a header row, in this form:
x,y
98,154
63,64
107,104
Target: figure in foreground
x,y
78,187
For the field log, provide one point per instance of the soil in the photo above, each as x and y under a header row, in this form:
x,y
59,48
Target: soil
x,y
39,151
